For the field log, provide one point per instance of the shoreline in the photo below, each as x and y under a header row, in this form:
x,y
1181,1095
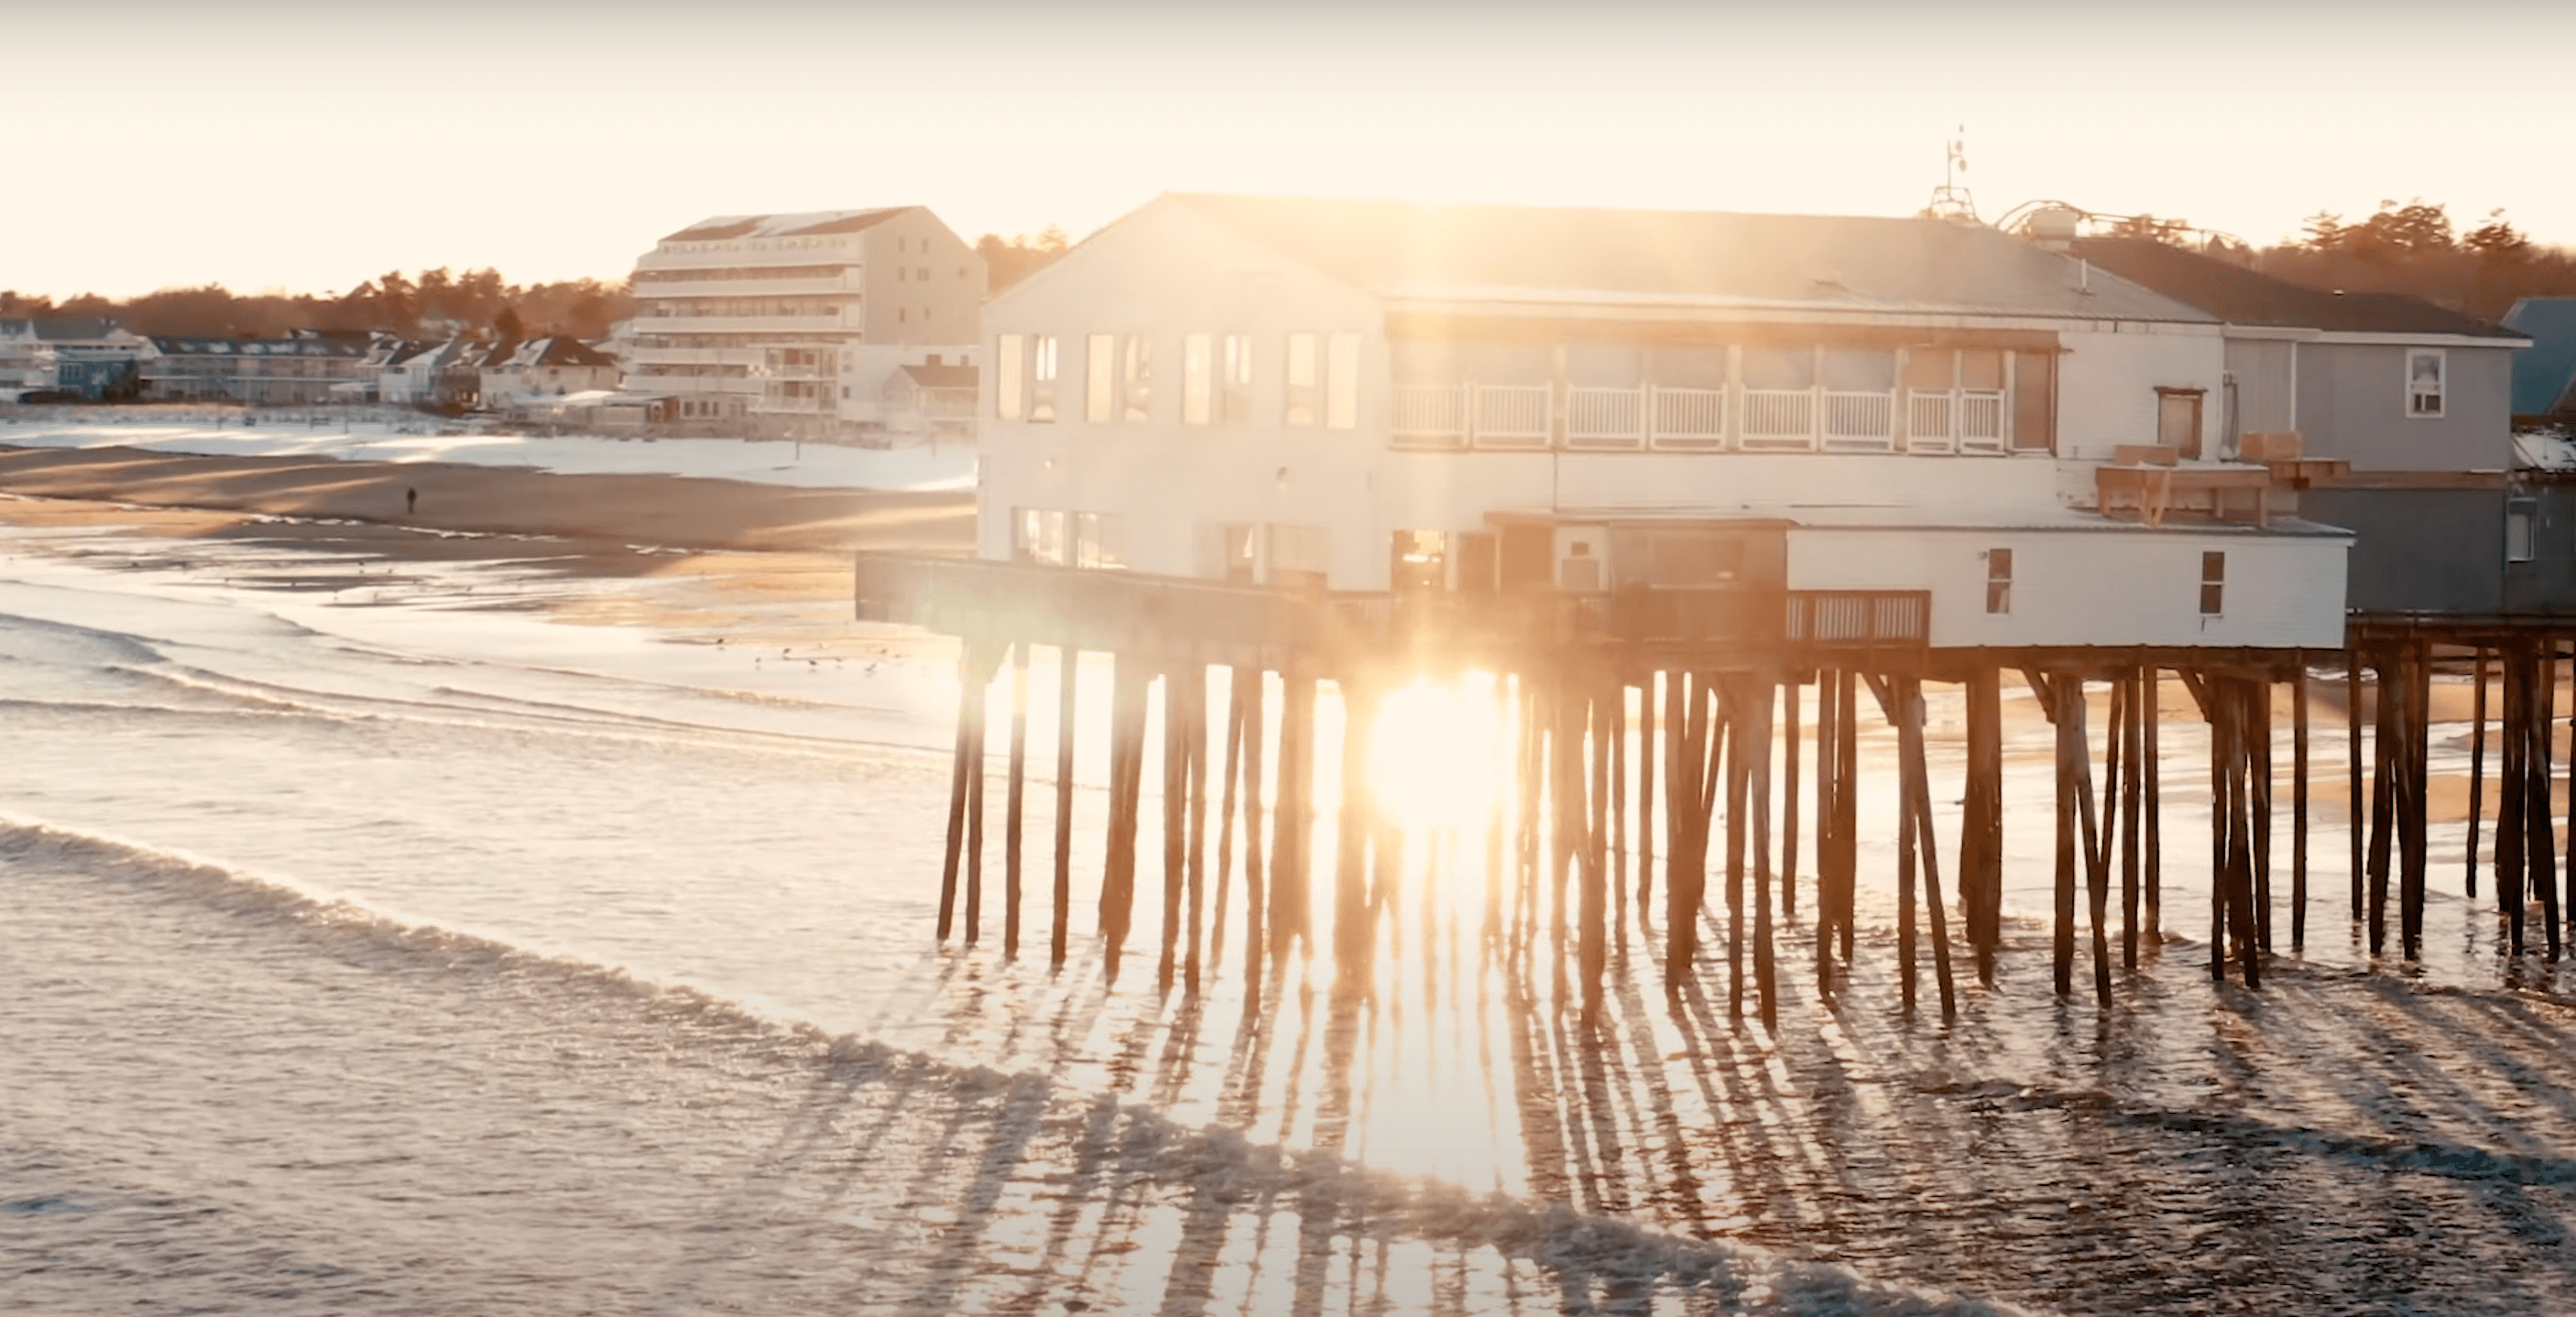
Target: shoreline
x,y
667,511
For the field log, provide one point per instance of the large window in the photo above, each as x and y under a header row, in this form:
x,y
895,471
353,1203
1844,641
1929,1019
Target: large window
x,y
1100,372
1099,540
1136,378
1300,556
1323,380
1042,378
1010,353
1235,401
1038,536
2425,370
1069,539
1198,379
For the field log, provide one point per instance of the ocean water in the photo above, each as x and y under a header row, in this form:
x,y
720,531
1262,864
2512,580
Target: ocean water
x,y
374,942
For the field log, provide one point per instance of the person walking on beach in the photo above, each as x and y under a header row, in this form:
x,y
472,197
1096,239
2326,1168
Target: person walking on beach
x,y
411,501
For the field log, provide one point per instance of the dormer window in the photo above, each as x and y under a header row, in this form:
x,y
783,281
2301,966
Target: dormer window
x,y
2425,377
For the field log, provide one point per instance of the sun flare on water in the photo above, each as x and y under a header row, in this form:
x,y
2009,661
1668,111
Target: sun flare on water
x,y
1439,753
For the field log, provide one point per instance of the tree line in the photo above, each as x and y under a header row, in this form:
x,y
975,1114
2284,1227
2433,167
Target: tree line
x,y
430,304
433,303
2414,248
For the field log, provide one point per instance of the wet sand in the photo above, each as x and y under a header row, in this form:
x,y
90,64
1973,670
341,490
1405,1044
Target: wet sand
x,y
621,509
727,561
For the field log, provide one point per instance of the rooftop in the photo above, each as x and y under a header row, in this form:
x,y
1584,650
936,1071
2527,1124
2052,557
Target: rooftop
x,y
1840,263
2241,296
804,224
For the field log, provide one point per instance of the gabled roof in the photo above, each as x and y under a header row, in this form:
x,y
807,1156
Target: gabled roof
x,y
60,328
804,224
2241,296
941,377
1808,262
552,350
2543,372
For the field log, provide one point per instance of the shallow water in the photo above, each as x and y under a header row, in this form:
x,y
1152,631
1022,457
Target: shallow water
x,y
383,945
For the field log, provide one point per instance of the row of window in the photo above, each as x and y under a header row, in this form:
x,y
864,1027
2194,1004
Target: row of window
x,y
1318,373
753,306
2213,582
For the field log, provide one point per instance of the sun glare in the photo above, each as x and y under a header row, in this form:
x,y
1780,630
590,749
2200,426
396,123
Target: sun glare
x,y
1438,755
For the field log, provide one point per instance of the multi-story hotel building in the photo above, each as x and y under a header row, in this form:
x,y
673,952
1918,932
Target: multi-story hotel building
x,y
786,325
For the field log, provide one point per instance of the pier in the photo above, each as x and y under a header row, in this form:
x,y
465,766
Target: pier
x,y
1662,754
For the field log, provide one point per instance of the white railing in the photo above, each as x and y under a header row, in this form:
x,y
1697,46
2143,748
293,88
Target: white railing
x,y
1605,418
1524,416
1929,423
1511,415
1430,415
1860,422
1690,419
1779,420
648,287
1981,421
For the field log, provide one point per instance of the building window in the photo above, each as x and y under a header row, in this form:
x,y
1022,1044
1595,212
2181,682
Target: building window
x,y
1198,379
1009,371
1136,378
1100,367
2178,420
2213,584
1299,556
1037,536
1999,580
2424,375
1236,400
2034,402
1100,541
1042,378
1305,399
1238,553
2521,519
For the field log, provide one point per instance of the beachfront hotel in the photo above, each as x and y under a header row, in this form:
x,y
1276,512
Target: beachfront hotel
x,y
789,326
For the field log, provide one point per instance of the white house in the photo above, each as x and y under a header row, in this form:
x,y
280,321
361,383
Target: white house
x,y
1369,396
743,319
548,367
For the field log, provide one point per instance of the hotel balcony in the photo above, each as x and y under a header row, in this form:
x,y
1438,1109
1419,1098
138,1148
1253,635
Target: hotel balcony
x,y
848,281
649,324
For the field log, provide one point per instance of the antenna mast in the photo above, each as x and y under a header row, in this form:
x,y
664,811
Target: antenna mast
x,y
1952,200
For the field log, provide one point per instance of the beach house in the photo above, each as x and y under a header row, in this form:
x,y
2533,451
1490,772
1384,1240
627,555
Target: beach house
x,y
1976,441
2401,412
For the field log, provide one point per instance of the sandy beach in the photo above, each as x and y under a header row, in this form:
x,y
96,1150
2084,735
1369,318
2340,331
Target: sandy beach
x,y
718,560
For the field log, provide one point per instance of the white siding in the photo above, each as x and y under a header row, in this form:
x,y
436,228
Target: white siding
x,y
1166,272
2093,587
2108,377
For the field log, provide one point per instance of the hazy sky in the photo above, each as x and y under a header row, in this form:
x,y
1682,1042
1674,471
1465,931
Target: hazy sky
x,y
307,146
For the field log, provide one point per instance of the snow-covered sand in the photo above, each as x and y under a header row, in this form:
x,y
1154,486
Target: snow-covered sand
x,y
772,462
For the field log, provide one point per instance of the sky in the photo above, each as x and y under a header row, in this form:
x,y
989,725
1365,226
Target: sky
x,y
305,146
